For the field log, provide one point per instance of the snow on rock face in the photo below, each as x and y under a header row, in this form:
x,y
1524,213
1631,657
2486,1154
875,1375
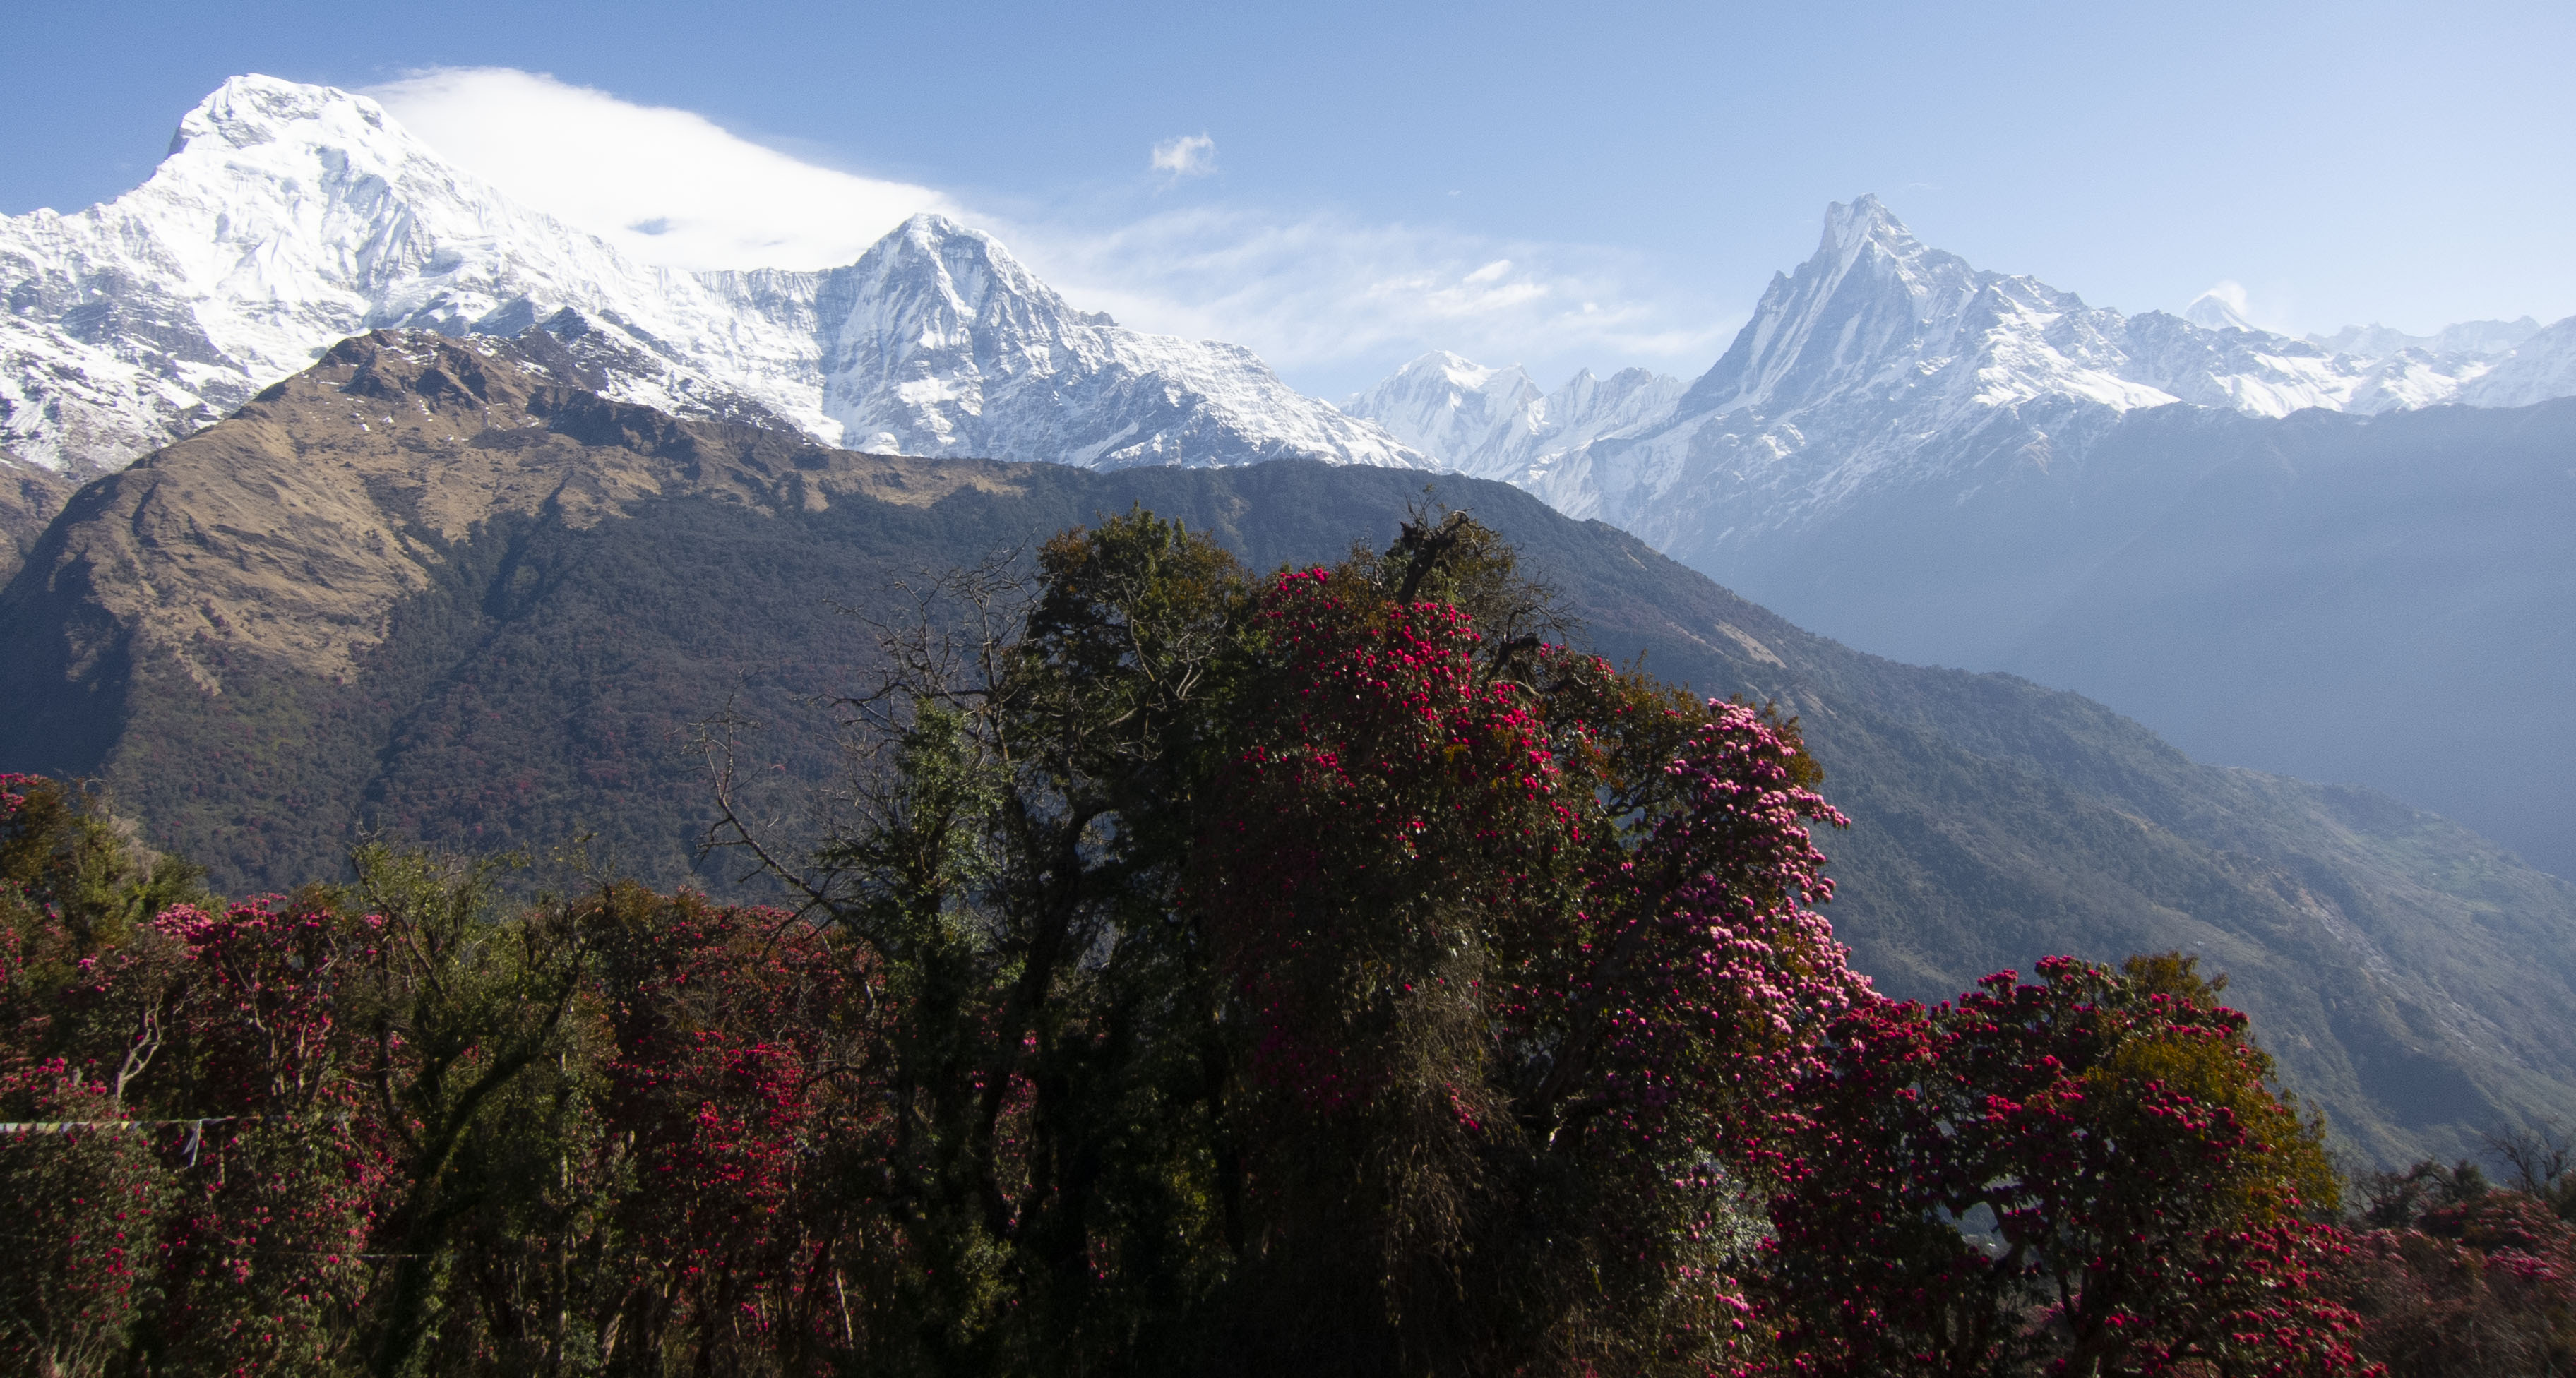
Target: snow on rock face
x,y
1495,422
2488,339
1876,315
1447,407
287,217
1881,363
2214,312
938,342
2539,368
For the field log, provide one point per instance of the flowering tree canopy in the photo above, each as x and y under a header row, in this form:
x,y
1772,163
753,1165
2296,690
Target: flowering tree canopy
x,y
2087,1173
1325,973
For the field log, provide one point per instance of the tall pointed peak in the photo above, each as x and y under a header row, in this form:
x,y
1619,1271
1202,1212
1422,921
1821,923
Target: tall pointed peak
x,y
966,268
2220,308
1865,221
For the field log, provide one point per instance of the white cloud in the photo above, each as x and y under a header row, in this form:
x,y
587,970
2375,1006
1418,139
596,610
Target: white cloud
x,y
1331,302
1189,155
665,186
1335,304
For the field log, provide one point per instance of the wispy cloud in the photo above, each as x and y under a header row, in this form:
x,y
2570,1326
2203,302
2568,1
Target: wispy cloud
x,y
1334,303
1330,301
1189,155
665,186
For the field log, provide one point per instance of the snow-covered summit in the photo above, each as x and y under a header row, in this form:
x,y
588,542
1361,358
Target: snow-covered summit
x,y
1882,361
2539,368
287,217
2211,311
937,341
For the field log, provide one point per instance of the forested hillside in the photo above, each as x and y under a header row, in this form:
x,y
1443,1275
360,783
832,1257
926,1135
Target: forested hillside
x,y
430,591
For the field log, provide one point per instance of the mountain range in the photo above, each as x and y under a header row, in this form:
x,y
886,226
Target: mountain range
x,y
2343,559
498,514
286,217
434,588
1881,362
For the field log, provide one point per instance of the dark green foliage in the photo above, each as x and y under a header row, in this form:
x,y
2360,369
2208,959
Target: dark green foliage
x,y
1208,975
1257,951
64,857
2414,976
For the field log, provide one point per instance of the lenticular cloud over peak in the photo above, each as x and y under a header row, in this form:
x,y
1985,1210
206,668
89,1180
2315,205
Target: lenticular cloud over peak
x,y
666,186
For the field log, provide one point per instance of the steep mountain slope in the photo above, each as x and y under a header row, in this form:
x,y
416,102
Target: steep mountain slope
x,y
29,498
286,217
432,587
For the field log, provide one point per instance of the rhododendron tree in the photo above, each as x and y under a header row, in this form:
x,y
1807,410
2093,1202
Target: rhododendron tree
x,y
1326,972
742,1083
405,1128
1510,942
2454,1276
279,1180
2087,1174
1322,944
79,1236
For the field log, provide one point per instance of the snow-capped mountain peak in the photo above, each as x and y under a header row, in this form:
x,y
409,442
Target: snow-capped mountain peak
x,y
967,269
1869,310
287,217
2212,311
2538,368
1882,362
938,341
252,111
1865,227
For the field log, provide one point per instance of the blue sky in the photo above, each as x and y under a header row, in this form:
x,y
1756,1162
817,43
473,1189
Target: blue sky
x,y
1365,167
